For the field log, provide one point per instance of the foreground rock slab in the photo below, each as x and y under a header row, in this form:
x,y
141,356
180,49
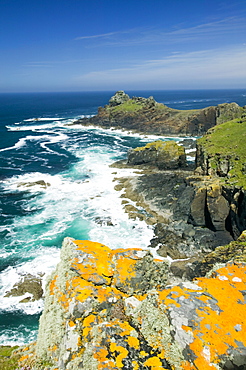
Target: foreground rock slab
x,y
111,309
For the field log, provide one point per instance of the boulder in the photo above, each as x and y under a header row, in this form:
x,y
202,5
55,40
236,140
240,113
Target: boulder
x,y
27,284
163,154
109,309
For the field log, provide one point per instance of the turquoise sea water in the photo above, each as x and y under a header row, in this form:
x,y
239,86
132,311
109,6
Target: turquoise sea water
x,y
36,144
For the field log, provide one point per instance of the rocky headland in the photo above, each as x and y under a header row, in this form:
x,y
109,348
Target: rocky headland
x,y
186,309
145,115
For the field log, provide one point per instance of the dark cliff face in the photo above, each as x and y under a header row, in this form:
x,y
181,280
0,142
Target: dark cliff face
x,y
221,155
148,116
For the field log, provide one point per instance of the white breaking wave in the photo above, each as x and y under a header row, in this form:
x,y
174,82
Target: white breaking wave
x,y
40,267
53,138
43,119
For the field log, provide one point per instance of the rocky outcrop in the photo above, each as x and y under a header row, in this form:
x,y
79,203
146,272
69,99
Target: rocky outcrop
x,y
162,154
29,285
109,309
191,214
147,116
120,97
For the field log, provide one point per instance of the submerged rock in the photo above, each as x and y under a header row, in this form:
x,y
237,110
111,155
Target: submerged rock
x,y
40,183
28,284
109,309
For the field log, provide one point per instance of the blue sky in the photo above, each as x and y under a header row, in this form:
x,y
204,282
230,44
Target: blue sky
x,y
86,45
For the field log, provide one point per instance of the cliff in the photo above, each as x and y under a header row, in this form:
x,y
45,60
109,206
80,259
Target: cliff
x,y
113,309
147,116
221,152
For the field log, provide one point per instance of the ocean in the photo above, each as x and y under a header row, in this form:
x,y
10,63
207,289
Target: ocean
x,y
55,181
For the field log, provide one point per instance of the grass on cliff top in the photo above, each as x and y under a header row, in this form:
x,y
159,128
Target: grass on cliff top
x,y
8,362
229,140
129,106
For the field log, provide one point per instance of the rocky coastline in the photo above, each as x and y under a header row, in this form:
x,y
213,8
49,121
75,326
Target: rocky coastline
x,y
185,308
145,115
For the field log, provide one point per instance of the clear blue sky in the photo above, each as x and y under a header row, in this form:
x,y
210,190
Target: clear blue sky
x,y
82,45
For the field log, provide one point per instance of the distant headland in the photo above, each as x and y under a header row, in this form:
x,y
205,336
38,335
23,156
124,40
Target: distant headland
x,y
145,115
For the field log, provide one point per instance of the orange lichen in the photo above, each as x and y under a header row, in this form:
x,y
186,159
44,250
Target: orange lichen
x,y
96,262
23,358
222,333
154,363
52,285
133,342
122,353
87,325
135,365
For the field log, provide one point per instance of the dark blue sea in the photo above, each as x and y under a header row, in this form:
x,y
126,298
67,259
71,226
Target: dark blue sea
x,y
55,181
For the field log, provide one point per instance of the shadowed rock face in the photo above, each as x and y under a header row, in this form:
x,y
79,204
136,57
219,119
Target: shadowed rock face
x,y
109,309
148,116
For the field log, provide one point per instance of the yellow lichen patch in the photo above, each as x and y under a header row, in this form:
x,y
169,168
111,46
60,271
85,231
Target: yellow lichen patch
x,y
63,299
106,293
154,363
52,285
122,353
104,363
87,325
125,271
133,342
126,328
220,329
169,301
135,365
71,323
96,266
23,358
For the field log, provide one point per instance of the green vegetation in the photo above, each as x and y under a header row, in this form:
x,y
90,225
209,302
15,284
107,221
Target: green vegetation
x,y
155,145
226,142
129,106
235,251
8,361
169,146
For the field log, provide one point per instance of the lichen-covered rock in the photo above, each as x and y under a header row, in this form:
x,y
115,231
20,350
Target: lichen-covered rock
x,y
111,309
163,154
